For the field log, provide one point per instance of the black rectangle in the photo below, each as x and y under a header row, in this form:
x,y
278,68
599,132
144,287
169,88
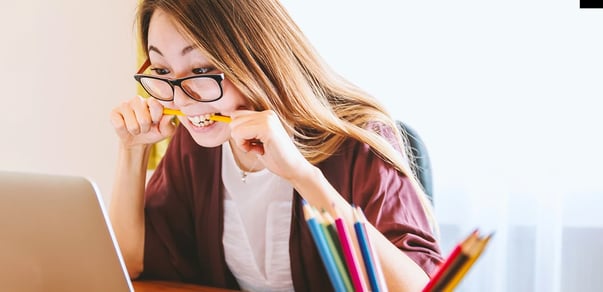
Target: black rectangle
x,y
591,3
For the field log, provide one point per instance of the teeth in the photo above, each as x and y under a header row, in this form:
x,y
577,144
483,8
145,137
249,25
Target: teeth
x,y
201,120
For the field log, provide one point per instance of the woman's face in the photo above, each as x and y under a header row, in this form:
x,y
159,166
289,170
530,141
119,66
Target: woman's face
x,y
173,56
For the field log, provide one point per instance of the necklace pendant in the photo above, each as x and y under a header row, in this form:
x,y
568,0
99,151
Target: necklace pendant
x,y
244,177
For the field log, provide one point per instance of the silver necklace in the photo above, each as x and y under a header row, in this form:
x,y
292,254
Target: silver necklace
x,y
245,173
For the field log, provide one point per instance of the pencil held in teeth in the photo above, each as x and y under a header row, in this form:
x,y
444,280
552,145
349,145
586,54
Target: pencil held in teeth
x,y
169,111
220,118
216,118
213,117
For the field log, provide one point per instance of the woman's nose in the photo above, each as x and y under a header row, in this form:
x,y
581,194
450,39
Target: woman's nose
x,y
181,99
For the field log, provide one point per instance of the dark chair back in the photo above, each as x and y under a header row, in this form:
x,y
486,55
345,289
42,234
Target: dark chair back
x,y
421,165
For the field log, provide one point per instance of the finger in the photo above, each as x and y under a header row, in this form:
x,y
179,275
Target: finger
x,y
167,126
118,122
241,117
155,110
256,147
143,115
129,118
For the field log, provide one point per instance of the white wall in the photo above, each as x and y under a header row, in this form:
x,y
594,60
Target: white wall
x,y
515,82
507,96
65,64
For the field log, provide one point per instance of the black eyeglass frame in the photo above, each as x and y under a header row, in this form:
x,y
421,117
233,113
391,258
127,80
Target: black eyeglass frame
x,y
177,82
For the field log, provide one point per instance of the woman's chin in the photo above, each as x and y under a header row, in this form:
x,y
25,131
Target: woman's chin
x,y
207,143
210,140
208,136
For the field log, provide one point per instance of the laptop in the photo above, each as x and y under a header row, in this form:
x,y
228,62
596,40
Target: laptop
x,y
55,236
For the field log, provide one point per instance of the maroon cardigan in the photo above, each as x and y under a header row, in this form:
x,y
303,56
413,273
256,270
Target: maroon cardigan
x,y
184,213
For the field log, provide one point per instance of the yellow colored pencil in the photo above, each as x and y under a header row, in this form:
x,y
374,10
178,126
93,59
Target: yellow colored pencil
x,y
217,118
169,111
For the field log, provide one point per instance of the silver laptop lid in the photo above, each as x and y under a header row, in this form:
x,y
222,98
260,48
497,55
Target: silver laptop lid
x,y
55,236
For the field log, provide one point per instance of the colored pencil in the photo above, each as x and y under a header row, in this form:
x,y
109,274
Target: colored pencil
x,y
474,253
169,111
445,266
213,117
323,249
335,247
456,264
371,262
220,118
350,255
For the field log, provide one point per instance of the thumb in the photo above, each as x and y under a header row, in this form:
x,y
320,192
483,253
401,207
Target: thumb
x,y
167,125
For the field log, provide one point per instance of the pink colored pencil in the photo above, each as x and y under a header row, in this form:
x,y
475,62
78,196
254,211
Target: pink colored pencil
x,y
350,256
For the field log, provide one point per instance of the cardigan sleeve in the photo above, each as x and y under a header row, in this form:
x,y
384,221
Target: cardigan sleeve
x,y
392,204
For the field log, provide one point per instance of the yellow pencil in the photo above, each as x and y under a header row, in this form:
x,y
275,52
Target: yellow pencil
x,y
169,111
217,118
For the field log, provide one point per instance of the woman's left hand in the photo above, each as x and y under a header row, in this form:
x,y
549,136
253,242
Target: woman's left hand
x,y
264,134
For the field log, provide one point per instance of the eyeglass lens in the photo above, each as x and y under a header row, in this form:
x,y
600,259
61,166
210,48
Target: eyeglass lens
x,y
199,88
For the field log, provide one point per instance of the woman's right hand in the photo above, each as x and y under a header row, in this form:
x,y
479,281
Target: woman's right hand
x,y
140,121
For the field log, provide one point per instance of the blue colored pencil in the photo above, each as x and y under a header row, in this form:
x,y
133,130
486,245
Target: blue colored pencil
x,y
321,244
371,263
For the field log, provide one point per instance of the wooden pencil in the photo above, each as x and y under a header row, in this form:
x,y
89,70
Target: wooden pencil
x,y
474,254
452,258
350,255
335,247
213,117
371,260
323,249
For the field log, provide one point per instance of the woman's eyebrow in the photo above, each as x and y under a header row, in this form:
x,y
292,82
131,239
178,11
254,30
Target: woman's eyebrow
x,y
154,49
185,51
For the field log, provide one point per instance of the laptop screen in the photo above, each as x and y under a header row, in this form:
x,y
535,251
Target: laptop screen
x,y
55,236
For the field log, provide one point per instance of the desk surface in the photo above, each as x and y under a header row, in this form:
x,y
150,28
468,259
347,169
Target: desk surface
x,y
152,286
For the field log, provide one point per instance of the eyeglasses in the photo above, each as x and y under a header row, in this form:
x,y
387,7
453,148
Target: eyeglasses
x,y
203,88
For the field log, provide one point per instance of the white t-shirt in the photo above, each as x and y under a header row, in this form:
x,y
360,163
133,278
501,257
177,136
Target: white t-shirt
x,y
257,221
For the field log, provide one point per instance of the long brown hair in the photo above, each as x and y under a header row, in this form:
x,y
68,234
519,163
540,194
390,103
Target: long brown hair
x,y
266,56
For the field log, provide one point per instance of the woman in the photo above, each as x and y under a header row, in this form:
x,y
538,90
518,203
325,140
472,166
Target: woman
x,y
223,208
